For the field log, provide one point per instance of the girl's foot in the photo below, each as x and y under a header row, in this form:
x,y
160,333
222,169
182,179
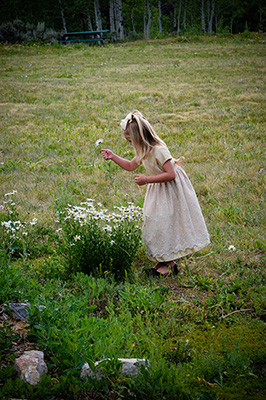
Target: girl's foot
x,y
154,270
165,268
158,265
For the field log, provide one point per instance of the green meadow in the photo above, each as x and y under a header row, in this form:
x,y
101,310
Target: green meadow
x,y
203,331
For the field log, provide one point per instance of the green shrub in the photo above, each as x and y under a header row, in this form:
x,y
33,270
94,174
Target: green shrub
x,y
18,32
11,32
95,241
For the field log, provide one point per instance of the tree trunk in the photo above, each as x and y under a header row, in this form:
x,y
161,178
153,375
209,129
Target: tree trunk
x,y
231,24
89,20
261,22
82,24
210,22
119,19
98,18
133,22
174,20
144,21
185,16
149,20
203,26
178,17
160,16
63,17
112,16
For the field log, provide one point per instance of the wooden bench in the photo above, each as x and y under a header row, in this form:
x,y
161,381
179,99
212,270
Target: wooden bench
x,y
78,37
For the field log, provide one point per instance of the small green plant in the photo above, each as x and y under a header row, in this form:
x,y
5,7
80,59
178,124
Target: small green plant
x,y
18,238
11,279
142,299
97,242
7,336
219,368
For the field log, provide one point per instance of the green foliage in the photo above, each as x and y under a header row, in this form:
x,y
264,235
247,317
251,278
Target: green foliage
x,y
7,336
99,243
46,389
12,280
219,368
17,32
86,319
144,300
161,381
239,16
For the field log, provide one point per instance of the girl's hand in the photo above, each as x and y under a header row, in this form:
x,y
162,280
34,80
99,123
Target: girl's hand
x,y
107,154
140,179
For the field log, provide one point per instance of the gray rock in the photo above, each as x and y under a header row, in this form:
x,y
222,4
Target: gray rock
x,y
19,311
31,366
130,366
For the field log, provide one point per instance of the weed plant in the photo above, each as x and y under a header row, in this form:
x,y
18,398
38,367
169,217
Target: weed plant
x,y
80,266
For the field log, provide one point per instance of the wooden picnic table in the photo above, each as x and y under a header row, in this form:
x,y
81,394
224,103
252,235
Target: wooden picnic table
x,y
77,37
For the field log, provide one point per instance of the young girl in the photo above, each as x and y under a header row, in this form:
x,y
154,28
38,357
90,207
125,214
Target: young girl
x,y
173,224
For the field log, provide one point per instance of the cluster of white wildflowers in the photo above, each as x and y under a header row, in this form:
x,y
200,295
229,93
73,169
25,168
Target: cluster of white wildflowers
x,y
9,204
12,227
88,211
15,227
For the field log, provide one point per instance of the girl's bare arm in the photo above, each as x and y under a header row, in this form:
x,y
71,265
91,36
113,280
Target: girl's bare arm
x,y
122,162
166,176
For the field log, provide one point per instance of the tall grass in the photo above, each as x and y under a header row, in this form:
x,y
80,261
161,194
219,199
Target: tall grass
x,y
206,100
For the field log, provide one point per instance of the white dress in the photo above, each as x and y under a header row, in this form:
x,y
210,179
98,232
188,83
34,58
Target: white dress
x,y
173,224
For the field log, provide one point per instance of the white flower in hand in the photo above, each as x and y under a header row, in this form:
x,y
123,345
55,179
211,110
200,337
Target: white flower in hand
x,y
98,142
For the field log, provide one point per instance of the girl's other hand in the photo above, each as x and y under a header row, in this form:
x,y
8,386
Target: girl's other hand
x,y
140,179
107,154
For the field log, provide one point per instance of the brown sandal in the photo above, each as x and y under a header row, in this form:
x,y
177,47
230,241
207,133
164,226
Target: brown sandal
x,y
153,270
171,269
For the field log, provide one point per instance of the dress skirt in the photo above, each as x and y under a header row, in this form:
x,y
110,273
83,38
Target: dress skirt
x,y
173,224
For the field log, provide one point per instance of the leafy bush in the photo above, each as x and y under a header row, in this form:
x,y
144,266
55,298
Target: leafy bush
x,y
97,242
11,32
17,32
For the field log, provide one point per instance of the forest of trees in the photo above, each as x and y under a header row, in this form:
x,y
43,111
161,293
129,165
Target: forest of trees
x,y
128,19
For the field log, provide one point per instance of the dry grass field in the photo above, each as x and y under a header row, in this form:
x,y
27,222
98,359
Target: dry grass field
x,y
206,98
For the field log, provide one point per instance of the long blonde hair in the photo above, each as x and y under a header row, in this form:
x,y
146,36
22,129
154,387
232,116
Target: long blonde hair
x,y
141,134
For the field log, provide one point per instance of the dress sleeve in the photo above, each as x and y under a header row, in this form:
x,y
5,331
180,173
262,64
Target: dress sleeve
x,y
162,155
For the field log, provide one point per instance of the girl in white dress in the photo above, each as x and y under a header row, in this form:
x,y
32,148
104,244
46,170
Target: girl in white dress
x,y
173,224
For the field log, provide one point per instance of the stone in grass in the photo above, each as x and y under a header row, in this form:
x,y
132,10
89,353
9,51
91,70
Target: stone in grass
x,y
31,366
19,310
130,366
